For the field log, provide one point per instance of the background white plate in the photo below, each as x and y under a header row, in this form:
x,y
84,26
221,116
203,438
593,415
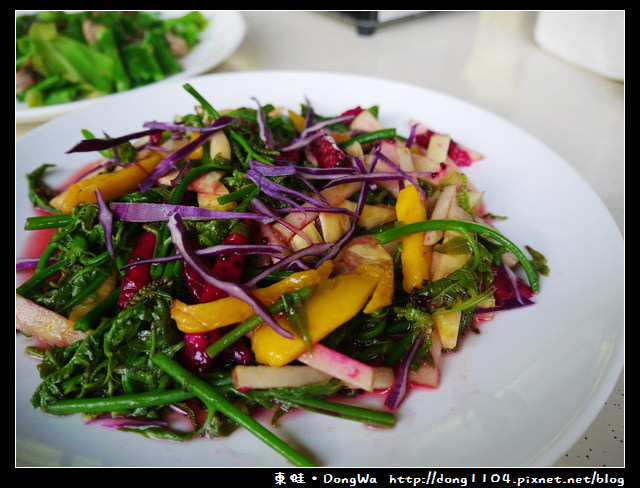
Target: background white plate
x,y
520,393
218,41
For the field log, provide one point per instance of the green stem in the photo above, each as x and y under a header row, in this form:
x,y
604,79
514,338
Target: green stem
x,y
471,302
251,323
234,135
368,137
38,279
43,262
464,228
244,204
214,400
85,292
238,194
205,104
251,154
93,316
118,403
343,411
179,190
47,222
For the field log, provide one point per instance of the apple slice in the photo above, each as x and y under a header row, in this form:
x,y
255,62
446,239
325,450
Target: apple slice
x,y
373,215
333,226
365,121
448,326
426,374
349,370
383,377
263,377
40,322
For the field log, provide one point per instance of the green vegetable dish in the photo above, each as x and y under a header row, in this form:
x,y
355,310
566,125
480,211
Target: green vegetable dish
x,y
260,259
65,57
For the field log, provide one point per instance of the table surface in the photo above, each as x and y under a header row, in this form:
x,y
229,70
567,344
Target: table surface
x,y
489,59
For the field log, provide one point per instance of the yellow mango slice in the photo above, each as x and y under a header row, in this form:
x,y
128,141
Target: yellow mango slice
x,y
203,317
415,256
111,185
332,303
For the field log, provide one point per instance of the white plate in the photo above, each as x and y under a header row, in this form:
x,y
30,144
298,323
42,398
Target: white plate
x,y
223,35
520,393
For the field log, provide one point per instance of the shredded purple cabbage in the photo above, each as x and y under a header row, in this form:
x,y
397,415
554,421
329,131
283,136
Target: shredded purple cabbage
x,y
412,136
399,389
106,221
378,153
295,257
148,212
264,250
265,210
217,125
88,145
175,157
263,128
279,191
29,263
312,132
242,292
337,247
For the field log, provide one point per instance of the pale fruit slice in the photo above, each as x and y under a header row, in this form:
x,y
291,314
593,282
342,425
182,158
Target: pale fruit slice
x,y
299,241
288,376
50,327
383,377
448,325
219,146
373,215
428,375
336,364
365,121
333,226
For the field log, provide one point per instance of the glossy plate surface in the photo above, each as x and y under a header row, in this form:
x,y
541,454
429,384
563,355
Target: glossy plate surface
x,y
223,35
520,393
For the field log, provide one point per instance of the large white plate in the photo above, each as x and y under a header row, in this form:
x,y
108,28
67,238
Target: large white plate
x,y
520,393
223,35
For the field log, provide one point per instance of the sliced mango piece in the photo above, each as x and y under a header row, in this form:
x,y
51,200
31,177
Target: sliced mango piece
x,y
333,302
297,120
111,185
382,273
415,257
203,317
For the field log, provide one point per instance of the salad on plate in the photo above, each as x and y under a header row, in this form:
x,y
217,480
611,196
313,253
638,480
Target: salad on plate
x,y
260,259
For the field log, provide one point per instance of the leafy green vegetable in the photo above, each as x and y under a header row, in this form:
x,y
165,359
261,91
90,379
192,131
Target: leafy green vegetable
x,y
74,56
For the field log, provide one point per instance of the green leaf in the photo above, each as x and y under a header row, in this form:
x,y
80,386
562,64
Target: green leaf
x,y
538,261
55,54
296,316
39,192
